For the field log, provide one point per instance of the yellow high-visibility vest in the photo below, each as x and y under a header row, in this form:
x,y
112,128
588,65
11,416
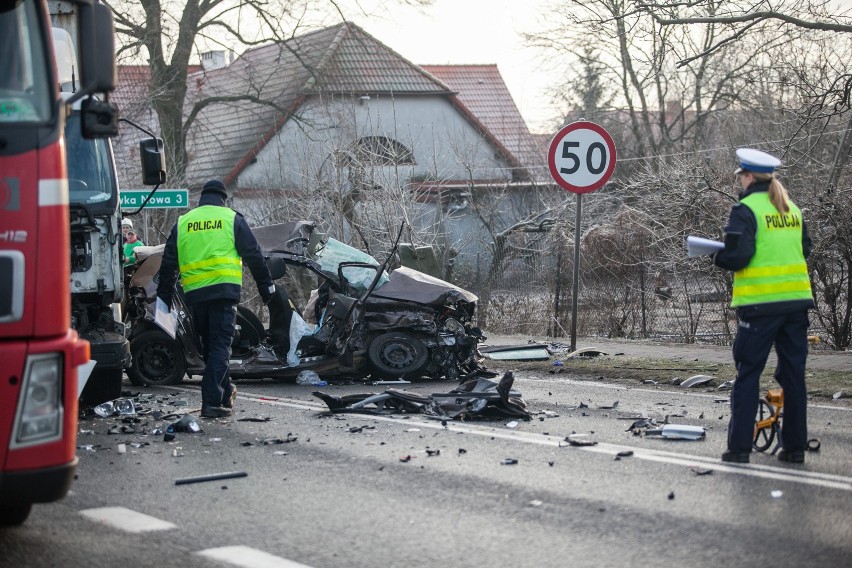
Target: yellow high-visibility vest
x,y
778,271
207,254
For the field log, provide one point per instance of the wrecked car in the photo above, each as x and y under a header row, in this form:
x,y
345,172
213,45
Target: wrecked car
x,y
359,319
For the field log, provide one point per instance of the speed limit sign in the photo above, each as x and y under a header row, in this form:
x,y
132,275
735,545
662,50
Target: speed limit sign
x,y
581,157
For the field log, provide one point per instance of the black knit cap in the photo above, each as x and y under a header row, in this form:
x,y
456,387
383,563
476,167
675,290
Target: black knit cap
x,y
215,186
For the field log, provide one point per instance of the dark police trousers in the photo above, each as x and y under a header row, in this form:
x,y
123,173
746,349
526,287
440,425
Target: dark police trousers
x,y
215,322
755,337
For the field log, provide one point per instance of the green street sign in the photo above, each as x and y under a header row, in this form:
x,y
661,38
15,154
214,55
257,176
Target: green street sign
x,y
162,198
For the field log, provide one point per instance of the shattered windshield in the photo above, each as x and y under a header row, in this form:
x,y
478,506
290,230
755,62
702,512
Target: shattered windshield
x,y
91,178
333,252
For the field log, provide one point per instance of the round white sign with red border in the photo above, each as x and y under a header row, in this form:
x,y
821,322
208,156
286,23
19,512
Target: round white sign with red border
x,y
581,157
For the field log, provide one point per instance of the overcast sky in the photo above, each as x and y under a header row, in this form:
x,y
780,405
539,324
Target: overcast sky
x,y
473,31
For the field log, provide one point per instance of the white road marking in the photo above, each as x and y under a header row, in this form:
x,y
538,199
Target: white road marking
x,y
814,478
643,388
126,519
248,557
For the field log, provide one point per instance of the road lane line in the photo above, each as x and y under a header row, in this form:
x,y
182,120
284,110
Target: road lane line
x,y
642,388
248,557
813,478
127,520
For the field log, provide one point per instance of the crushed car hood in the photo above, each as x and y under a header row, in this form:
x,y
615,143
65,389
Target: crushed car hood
x,y
409,285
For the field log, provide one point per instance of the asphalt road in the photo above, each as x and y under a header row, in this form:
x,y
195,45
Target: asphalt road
x,y
352,490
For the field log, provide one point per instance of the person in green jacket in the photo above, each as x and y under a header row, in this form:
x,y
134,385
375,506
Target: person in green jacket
x,y
131,241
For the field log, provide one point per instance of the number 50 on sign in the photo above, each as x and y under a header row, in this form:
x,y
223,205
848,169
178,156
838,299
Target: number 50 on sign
x,y
581,157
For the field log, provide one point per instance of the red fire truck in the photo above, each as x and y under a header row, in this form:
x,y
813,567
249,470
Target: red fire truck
x,y
39,351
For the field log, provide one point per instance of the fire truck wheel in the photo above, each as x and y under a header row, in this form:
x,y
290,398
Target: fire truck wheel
x,y
103,385
157,359
13,513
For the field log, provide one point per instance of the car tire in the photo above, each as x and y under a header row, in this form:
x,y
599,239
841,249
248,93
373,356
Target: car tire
x,y
398,354
12,514
157,360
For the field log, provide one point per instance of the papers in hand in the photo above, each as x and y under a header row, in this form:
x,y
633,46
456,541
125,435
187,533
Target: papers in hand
x,y
164,318
696,246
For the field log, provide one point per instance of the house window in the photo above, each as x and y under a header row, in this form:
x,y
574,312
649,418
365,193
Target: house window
x,y
382,151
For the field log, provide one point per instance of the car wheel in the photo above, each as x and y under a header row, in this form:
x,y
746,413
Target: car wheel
x,y
13,513
398,354
157,359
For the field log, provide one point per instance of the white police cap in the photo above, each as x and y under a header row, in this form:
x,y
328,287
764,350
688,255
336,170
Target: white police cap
x,y
752,160
126,223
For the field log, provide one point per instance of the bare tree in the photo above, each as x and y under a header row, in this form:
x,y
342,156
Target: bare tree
x,y
737,20
167,36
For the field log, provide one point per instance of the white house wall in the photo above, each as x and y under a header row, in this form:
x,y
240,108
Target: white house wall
x,y
444,144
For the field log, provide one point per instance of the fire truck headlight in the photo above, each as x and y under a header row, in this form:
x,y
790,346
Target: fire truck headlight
x,y
39,417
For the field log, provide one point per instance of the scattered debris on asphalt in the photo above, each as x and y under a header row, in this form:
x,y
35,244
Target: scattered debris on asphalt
x,y
580,440
814,445
777,493
211,477
186,423
696,380
526,352
509,461
641,424
838,394
475,398
700,470
678,432
119,406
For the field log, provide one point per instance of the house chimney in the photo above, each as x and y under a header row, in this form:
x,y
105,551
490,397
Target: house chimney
x,y
213,60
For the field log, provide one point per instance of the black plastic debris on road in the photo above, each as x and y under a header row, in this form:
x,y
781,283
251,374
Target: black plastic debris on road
x,y
479,397
186,424
211,477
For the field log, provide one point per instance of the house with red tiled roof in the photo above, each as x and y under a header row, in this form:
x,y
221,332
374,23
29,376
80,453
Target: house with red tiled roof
x,y
337,112
268,92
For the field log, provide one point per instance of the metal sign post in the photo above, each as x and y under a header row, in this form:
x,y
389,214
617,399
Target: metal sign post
x,y
581,160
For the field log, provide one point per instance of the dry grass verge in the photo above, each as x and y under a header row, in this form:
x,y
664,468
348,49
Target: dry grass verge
x,y
632,370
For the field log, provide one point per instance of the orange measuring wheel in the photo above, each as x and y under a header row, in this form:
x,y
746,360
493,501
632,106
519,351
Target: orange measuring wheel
x,y
767,423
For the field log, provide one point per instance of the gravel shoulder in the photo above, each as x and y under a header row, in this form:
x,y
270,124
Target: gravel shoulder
x,y
631,361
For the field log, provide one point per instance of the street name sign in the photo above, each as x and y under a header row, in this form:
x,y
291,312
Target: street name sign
x,y
162,198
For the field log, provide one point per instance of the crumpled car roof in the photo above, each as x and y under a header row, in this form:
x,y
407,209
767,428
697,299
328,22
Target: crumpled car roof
x,y
289,238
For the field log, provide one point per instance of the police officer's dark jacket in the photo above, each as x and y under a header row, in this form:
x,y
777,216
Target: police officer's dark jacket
x,y
740,238
246,247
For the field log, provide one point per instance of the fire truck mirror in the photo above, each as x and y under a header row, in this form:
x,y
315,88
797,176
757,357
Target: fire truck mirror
x,y
152,152
97,48
98,119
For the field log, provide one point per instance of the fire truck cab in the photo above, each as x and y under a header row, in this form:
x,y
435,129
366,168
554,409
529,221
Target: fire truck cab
x,y
40,353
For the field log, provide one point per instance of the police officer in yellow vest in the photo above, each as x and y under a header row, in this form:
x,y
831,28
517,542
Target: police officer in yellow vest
x,y
208,246
766,244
